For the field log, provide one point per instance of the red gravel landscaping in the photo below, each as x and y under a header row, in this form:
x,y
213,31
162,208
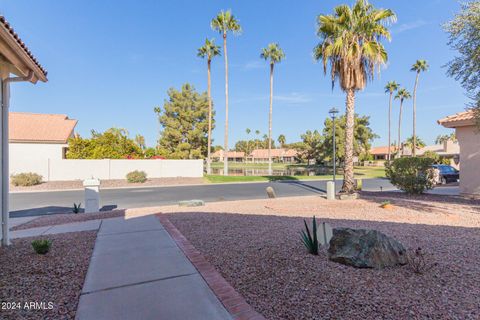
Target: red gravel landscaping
x,y
56,278
263,258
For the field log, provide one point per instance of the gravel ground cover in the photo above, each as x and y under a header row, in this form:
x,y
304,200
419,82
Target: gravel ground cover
x,y
114,183
56,219
56,278
256,246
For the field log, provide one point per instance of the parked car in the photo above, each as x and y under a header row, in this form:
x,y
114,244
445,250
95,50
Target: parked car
x,y
446,173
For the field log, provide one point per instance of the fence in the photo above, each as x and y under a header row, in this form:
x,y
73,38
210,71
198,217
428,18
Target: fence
x,y
59,170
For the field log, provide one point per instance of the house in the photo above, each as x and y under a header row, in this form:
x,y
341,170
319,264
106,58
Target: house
x,y
36,137
278,155
233,156
468,137
447,150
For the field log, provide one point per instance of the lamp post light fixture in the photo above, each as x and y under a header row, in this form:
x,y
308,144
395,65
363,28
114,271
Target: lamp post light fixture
x,y
333,113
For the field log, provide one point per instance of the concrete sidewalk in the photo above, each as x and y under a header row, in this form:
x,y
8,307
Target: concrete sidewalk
x,y
62,228
138,272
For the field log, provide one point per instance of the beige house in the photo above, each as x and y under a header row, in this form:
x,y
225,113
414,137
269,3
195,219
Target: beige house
x,y
468,137
279,155
233,156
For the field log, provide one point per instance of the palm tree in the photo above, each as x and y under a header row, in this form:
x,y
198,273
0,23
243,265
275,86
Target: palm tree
x,y
281,140
403,95
350,44
257,132
409,143
209,50
419,66
275,54
248,142
390,88
140,141
225,22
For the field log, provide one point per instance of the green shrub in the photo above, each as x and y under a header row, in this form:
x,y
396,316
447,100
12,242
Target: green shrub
x,y
412,175
137,177
77,207
41,246
25,179
310,239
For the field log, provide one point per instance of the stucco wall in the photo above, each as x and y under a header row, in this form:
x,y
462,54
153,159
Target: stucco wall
x,y
33,157
469,140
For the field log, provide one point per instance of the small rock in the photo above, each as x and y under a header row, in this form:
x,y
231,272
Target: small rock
x,y
348,196
191,203
363,248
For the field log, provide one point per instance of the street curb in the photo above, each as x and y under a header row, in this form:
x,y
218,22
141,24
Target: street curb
x,y
228,296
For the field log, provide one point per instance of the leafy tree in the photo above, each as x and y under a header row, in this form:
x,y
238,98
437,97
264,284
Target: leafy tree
x,y
363,137
184,118
464,37
274,54
446,137
311,147
225,22
351,44
281,140
390,88
114,143
414,142
208,51
402,95
419,66
140,141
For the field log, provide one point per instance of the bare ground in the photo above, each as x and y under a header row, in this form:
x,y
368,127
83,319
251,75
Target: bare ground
x,y
114,183
256,246
57,277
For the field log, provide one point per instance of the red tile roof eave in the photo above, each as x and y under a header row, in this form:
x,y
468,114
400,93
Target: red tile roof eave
x,y
22,45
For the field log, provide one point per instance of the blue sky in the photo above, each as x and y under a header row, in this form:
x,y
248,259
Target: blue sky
x,y
111,62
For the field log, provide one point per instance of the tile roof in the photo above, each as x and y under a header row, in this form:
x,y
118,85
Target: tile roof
x,y
15,36
381,150
263,153
31,127
465,116
230,154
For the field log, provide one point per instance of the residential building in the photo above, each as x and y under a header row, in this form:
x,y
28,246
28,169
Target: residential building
x,y
233,156
468,137
280,155
36,137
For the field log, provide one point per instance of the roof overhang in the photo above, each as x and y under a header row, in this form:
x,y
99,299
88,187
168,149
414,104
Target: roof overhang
x,y
15,56
455,124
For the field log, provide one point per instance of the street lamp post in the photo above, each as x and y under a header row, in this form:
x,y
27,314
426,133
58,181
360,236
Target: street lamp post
x,y
333,113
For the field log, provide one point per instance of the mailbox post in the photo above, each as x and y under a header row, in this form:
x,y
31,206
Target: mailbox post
x,y
92,195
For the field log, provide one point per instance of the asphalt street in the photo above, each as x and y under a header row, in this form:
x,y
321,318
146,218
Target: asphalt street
x,y
39,203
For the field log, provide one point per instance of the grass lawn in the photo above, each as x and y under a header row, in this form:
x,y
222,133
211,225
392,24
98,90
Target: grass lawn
x,y
360,172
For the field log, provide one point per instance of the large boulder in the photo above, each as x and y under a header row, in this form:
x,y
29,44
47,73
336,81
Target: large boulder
x,y
365,249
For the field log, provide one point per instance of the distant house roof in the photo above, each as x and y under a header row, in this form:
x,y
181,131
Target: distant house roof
x,y
230,154
381,150
465,118
13,40
38,128
263,153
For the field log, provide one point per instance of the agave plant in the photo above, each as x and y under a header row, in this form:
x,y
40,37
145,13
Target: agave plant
x,y
76,207
310,239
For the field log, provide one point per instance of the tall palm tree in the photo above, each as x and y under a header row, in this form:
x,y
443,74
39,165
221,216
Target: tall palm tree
x,y
403,95
257,132
390,88
274,54
248,131
281,140
351,45
419,66
209,50
409,143
225,22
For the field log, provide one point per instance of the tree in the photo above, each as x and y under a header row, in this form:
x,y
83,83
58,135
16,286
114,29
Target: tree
x,y
281,140
390,88
184,118
351,45
446,137
114,143
464,37
225,22
311,148
257,133
363,137
140,141
248,131
419,66
414,142
274,54
403,95
209,50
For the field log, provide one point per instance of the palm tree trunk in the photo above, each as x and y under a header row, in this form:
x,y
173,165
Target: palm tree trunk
x,y
209,144
400,129
225,144
348,178
270,123
414,146
389,126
